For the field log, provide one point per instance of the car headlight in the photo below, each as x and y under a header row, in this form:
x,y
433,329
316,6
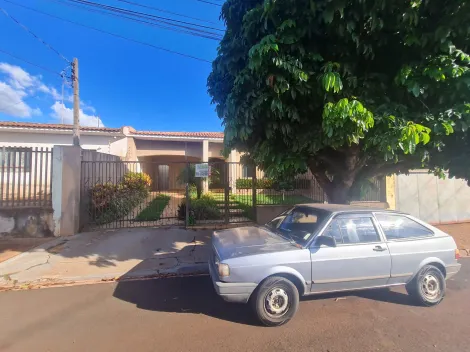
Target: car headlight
x,y
224,270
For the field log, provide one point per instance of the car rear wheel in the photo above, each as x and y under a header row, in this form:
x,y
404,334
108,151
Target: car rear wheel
x,y
428,287
275,301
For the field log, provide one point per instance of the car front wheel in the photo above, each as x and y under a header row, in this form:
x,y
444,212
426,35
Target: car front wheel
x,y
428,287
276,300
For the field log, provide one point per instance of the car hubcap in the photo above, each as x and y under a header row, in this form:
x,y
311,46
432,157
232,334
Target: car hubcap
x,y
277,302
431,287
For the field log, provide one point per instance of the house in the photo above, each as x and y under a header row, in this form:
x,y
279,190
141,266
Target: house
x,y
162,155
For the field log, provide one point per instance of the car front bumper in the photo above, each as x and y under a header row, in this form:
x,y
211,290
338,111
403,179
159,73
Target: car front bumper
x,y
238,292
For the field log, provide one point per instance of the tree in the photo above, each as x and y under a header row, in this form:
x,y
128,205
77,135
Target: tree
x,y
351,89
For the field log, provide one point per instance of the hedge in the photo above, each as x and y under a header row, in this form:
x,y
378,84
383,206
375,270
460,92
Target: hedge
x,y
267,183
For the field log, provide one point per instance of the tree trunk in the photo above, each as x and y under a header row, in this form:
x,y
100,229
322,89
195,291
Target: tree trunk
x,y
338,194
336,190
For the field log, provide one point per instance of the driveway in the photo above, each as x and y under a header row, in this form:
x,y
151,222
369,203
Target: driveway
x,y
184,314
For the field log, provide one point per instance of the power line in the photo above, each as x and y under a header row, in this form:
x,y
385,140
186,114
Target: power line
x,y
165,11
110,33
155,23
31,63
34,35
210,3
140,14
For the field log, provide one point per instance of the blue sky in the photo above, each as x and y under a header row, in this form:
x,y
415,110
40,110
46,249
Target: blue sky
x,y
123,83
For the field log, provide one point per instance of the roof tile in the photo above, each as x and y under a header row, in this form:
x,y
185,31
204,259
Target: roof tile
x,y
181,134
63,127
54,126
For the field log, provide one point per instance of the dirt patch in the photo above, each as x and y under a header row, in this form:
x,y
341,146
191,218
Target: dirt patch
x,y
11,247
461,234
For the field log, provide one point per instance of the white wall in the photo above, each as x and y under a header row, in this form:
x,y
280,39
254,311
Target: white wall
x,y
101,143
433,199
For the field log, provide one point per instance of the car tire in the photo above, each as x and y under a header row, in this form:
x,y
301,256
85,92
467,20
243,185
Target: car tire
x,y
275,301
428,287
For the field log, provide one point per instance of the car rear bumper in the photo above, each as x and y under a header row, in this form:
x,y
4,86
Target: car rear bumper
x,y
238,292
451,270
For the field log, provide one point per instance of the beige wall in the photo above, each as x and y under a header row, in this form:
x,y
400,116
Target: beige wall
x,y
176,148
175,164
215,150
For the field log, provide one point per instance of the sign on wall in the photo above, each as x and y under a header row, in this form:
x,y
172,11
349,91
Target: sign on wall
x,y
202,170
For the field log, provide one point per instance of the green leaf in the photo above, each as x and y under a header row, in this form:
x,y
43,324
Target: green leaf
x,y
464,126
293,93
328,16
415,90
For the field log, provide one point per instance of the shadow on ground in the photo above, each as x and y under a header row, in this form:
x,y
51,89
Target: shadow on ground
x,y
190,295
195,295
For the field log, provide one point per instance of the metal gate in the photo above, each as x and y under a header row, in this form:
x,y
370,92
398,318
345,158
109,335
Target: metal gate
x,y
120,194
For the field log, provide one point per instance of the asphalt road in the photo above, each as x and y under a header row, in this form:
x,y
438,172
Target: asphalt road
x,y
184,314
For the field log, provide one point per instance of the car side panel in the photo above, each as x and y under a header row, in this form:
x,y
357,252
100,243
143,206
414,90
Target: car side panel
x,y
256,268
409,256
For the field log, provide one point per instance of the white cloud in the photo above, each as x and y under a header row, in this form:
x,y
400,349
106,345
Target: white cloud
x,y
12,103
17,77
18,85
51,91
65,115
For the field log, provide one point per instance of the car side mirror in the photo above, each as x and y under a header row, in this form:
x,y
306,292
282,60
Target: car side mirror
x,y
328,241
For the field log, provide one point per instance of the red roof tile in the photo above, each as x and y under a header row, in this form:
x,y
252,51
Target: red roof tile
x,y
181,134
55,126
62,127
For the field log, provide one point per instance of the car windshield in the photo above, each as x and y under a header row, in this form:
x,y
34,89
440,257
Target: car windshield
x,y
297,224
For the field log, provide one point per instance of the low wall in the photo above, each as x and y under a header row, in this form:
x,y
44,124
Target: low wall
x,y
265,213
26,222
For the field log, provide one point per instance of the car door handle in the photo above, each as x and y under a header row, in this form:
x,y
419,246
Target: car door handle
x,y
379,249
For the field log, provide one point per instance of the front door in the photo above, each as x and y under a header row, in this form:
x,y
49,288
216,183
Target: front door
x,y
360,259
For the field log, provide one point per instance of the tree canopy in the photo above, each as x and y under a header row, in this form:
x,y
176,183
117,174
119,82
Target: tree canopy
x,y
349,89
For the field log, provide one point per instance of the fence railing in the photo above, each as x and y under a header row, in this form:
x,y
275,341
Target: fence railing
x,y
25,177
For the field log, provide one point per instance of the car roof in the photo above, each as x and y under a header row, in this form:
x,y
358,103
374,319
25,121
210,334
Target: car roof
x,y
345,208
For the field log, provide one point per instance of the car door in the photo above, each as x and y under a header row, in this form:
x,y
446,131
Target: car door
x,y
360,259
410,244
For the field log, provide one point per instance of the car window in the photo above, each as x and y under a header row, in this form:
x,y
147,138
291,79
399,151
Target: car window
x,y
399,227
274,223
301,223
352,230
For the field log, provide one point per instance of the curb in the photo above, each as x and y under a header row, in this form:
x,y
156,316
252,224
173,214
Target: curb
x,y
198,269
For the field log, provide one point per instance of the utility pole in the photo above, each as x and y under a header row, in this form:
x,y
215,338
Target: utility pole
x,y
76,104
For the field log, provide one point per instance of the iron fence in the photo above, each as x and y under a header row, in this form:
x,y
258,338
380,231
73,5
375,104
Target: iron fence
x,y
25,177
146,193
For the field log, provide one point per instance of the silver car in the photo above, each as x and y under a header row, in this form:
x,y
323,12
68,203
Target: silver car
x,y
321,248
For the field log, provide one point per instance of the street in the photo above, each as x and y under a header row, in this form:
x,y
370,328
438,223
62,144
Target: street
x,y
184,314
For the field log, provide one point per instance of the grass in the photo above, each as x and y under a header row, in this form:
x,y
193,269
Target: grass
x,y
244,202
154,209
269,199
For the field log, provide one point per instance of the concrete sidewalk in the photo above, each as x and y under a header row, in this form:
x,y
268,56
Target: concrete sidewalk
x,y
109,255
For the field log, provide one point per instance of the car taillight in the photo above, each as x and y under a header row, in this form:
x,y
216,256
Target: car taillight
x,y
457,254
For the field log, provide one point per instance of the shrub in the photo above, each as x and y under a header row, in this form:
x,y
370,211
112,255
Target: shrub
x,y
204,208
136,180
247,183
120,205
110,202
102,194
